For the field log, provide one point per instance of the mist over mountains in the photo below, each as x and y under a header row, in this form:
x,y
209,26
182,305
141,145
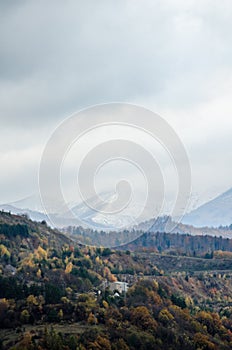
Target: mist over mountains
x,y
214,213
206,219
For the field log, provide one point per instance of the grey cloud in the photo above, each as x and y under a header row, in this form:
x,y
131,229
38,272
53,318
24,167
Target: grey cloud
x,y
57,57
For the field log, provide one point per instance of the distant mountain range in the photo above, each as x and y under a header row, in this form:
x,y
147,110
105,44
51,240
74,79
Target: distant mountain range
x,y
79,214
32,203
166,224
214,213
34,215
159,225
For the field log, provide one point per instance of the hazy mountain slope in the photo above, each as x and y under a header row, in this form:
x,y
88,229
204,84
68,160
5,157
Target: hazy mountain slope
x,y
166,224
34,215
213,213
32,202
80,214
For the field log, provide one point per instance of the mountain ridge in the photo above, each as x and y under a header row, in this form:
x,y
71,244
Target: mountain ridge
x,y
215,213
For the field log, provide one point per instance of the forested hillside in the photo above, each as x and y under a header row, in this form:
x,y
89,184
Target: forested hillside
x,y
181,243
198,244
56,294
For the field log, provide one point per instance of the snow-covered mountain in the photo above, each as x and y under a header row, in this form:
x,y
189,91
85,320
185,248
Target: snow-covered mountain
x,y
92,216
213,213
95,215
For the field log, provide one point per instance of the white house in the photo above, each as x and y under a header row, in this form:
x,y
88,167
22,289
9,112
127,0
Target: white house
x,y
119,286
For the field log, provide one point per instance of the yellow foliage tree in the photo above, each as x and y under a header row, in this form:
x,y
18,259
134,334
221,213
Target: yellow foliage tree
x,y
142,318
165,316
69,267
24,316
40,253
107,273
4,251
98,260
38,273
92,319
101,343
203,342
105,304
189,301
31,300
60,314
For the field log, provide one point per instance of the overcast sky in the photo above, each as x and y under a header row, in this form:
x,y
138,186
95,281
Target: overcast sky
x,y
173,57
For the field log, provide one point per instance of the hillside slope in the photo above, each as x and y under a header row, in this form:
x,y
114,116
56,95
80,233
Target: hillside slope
x,y
56,294
213,213
179,243
166,224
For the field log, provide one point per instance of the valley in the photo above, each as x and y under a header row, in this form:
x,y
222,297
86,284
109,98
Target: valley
x,y
55,293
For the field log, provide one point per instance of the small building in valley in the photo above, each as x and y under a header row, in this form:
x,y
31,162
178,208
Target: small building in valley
x,y
121,287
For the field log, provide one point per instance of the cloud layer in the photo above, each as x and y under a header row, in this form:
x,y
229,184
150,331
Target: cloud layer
x,y
174,57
